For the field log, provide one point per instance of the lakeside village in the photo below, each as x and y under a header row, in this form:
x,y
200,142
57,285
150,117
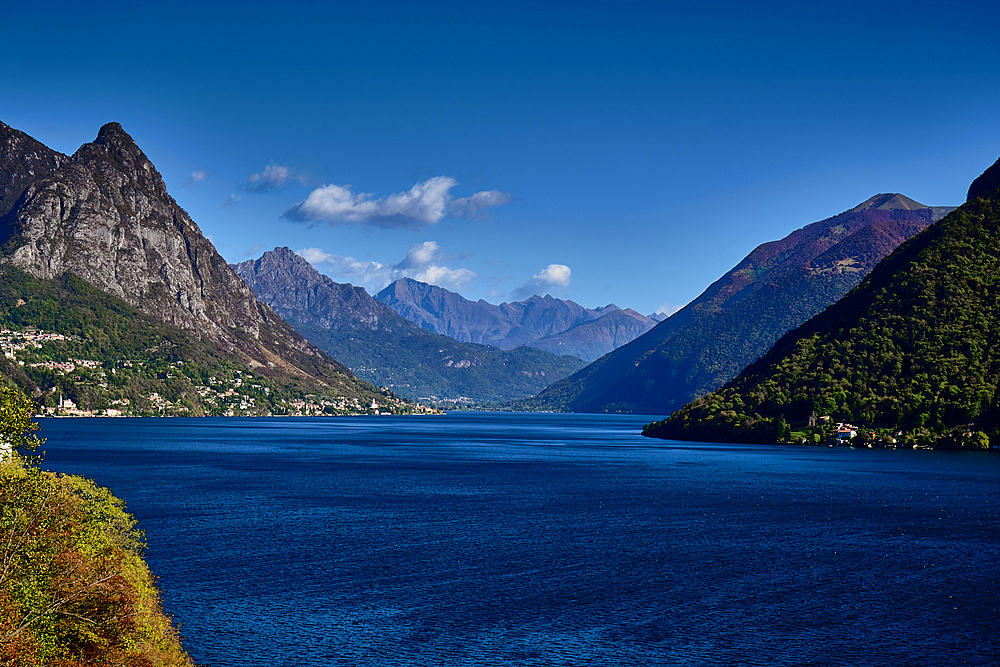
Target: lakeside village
x,y
136,388
824,431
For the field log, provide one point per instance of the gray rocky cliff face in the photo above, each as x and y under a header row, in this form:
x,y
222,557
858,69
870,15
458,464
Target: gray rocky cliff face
x,y
105,215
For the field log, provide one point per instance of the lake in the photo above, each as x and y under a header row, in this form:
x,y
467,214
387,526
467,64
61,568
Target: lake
x,y
540,539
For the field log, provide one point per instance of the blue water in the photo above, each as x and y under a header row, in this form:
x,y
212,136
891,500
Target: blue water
x,y
505,539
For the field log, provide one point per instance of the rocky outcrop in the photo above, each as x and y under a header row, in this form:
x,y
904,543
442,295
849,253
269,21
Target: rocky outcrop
x,y
23,161
987,182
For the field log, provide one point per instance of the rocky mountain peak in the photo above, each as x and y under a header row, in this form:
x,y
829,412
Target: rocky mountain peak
x,y
113,132
279,266
286,258
889,202
897,202
299,293
114,152
113,138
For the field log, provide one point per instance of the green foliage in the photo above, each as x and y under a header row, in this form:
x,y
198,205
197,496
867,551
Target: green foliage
x,y
17,430
74,589
915,348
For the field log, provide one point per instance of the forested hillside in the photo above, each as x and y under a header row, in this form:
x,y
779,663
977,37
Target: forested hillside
x,y
65,339
912,355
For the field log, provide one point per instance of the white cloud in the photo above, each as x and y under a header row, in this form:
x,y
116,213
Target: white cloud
x,y
346,268
422,262
472,206
315,255
553,276
420,255
426,203
196,177
274,178
557,275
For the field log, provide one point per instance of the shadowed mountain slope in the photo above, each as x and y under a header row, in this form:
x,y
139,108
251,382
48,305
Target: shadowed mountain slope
x,y
592,340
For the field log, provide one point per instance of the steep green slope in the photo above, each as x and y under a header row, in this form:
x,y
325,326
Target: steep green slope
x,y
914,349
75,589
774,289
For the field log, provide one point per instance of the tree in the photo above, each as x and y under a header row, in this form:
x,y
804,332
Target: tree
x,y
979,440
17,425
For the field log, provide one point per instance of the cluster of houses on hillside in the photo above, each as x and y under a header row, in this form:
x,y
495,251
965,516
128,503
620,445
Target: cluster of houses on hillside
x,y
13,342
846,433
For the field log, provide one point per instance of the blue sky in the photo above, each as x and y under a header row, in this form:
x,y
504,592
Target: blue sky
x,y
627,152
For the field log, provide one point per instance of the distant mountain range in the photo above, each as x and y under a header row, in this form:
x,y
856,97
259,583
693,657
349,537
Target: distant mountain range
x,y
95,248
911,357
774,289
544,322
389,350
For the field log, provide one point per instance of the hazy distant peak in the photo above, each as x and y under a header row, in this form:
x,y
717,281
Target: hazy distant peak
x,y
890,202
